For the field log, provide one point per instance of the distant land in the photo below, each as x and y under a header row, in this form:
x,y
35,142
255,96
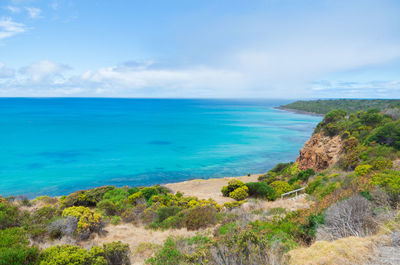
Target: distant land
x,y
349,105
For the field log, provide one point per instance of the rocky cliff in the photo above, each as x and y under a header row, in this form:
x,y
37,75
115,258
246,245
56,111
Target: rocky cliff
x,y
320,152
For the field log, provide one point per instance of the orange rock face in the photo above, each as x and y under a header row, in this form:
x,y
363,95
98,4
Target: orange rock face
x,y
320,152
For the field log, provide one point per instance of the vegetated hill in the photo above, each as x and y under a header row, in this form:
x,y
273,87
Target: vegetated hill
x,y
349,105
353,214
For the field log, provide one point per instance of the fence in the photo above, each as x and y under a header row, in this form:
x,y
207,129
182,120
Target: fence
x,y
293,191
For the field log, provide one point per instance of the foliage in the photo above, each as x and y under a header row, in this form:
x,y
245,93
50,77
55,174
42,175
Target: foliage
x,y
117,253
88,220
69,254
388,134
349,105
261,190
86,197
168,255
148,192
15,247
200,217
232,185
108,207
239,193
281,187
115,195
134,198
363,170
390,181
115,220
9,215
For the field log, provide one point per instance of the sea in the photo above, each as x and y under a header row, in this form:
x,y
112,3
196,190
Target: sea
x,y
55,146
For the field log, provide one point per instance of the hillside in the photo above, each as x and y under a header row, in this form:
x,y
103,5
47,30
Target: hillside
x,y
348,214
349,105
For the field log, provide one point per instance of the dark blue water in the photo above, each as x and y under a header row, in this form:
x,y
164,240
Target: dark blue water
x,y
56,146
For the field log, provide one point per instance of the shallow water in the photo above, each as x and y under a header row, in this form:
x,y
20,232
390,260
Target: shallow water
x,y
56,146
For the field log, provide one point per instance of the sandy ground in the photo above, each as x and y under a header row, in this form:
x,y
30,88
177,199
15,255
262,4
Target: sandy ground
x,y
208,188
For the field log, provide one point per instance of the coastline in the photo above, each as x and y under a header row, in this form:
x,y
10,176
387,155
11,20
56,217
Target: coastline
x,y
300,111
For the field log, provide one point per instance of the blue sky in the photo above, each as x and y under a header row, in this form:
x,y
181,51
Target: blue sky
x,y
200,49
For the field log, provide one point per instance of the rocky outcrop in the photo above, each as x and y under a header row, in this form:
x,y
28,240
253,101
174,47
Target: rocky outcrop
x,y
320,152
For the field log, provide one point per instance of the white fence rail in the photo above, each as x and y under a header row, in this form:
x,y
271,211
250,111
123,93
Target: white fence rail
x,y
291,192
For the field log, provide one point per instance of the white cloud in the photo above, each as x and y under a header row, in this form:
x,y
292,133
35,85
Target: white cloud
x,y
33,12
9,28
43,71
13,9
6,72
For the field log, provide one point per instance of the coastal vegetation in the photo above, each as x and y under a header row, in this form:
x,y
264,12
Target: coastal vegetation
x,y
349,105
353,203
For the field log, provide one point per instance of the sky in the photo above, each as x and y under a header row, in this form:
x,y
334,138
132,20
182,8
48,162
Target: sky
x,y
294,49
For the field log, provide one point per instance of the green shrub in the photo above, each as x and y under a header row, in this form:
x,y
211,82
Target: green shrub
x,y
115,195
313,185
382,164
44,214
108,207
133,190
15,247
86,197
239,193
305,174
115,220
148,192
200,217
231,205
70,254
261,190
168,255
322,191
117,253
388,134
134,198
390,181
9,215
232,185
167,211
281,187
363,170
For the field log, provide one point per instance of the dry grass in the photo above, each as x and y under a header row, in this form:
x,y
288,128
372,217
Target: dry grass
x,y
345,251
208,188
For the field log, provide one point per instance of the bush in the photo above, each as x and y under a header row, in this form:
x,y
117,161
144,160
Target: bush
x,y
15,247
132,190
108,207
86,197
88,220
239,193
363,170
388,134
200,217
135,197
232,185
281,187
148,192
167,211
9,215
115,220
350,217
305,174
168,255
117,253
116,195
382,164
44,214
62,227
390,181
261,190
69,254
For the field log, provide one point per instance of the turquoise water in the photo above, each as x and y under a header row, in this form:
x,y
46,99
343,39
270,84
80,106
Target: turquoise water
x,y
56,146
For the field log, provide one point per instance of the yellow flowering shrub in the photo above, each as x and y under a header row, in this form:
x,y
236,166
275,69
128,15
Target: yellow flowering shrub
x,y
88,220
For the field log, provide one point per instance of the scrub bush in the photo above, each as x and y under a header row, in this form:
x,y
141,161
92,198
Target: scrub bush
x,y
117,253
70,254
15,247
116,195
108,207
66,226
261,190
239,193
232,185
167,211
200,217
148,192
86,197
88,220
135,197
363,170
9,215
168,255
281,187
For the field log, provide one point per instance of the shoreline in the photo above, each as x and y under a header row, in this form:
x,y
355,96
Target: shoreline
x,y
300,111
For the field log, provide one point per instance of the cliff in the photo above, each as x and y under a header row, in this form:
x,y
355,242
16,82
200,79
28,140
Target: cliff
x,y
320,152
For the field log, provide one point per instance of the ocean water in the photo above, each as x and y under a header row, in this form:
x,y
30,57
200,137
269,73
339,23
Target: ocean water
x,y
59,145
